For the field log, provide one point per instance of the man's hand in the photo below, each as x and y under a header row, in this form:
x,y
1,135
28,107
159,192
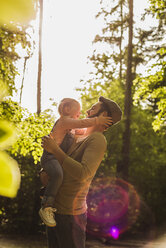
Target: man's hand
x,y
49,144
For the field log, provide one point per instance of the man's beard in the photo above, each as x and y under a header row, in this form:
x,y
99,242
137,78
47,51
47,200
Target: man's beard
x,y
97,114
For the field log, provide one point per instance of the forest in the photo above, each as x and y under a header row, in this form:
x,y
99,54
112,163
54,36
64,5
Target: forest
x,y
132,72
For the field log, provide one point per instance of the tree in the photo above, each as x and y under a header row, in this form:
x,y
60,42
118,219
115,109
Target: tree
x,y
112,35
40,60
22,83
9,53
145,44
110,63
123,165
150,89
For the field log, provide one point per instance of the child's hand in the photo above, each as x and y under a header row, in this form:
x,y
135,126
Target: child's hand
x,y
80,131
105,120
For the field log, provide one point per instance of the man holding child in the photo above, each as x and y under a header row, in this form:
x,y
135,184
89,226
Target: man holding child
x,y
79,165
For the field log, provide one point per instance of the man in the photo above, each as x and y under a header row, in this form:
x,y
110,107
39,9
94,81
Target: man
x,y
79,166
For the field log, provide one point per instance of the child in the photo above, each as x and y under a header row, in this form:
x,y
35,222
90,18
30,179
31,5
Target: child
x,y
69,110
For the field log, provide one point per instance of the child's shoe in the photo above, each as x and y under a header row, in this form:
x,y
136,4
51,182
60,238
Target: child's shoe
x,y
47,216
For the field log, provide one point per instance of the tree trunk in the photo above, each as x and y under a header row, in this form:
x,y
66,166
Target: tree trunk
x,y
22,83
123,164
121,37
40,60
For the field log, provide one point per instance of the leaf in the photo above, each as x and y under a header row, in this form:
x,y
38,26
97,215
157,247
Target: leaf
x,y
21,11
7,134
3,91
10,176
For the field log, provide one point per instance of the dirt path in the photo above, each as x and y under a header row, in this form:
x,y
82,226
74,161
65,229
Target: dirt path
x,y
40,242
18,242
33,242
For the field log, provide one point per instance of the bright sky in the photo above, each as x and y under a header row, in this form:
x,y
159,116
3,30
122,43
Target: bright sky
x,y
69,28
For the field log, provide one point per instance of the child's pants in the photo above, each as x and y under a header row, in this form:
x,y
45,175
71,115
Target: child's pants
x,y
55,173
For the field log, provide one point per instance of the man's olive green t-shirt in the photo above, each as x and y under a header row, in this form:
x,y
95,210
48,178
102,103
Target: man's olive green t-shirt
x,y
79,168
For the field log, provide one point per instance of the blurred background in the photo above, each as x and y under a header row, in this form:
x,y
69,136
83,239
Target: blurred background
x,y
84,49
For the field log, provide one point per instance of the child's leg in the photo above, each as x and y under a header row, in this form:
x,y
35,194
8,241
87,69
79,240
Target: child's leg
x,y
67,142
55,173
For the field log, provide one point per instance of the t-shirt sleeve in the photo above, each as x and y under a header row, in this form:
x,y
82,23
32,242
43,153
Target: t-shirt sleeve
x,y
70,123
91,159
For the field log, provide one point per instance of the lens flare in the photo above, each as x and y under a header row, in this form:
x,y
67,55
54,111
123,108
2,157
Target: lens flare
x,y
114,232
113,207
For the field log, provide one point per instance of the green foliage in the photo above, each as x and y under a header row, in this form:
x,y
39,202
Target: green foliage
x,y
29,129
13,43
152,91
92,90
108,166
12,12
147,158
147,148
11,35
147,167
26,150
7,136
159,7
10,174
20,214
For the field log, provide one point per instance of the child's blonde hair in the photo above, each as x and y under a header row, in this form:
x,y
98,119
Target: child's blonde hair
x,y
65,102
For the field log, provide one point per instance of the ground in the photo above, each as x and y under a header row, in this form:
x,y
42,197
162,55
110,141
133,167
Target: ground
x,y
40,242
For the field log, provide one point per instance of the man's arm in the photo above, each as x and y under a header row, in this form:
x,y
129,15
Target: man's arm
x,y
92,156
91,159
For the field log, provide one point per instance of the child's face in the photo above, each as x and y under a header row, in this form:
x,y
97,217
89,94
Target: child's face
x,y
75,111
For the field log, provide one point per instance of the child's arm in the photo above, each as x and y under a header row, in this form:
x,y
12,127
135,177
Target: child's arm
x,y
70,123
53,133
